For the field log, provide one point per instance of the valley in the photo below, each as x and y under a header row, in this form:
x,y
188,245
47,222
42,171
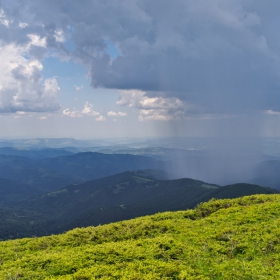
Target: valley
x,y
43,195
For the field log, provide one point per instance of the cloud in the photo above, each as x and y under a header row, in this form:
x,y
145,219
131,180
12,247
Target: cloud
x,y
271,112
73,114
138,99
112,114
100,119
158,115
78,88
87,111
59,35
220,55
3,19
22,87
115,114
35,40
22,24
152,108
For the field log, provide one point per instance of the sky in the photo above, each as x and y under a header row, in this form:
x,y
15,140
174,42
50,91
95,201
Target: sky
x,y
139,68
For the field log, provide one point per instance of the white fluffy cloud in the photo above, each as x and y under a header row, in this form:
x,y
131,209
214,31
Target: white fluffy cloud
x,y
3,18
59,35
78,88
87,111
152,108
22,87
138,99
100,119
72,113
159,115
35,40
116,114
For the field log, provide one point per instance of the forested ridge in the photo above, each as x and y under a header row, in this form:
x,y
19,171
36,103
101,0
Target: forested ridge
x,y
114,198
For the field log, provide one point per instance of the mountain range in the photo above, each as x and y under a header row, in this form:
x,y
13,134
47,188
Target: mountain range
x,y
52,190
113,198
51,169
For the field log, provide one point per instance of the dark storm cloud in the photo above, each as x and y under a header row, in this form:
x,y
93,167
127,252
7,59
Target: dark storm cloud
x,y
220,55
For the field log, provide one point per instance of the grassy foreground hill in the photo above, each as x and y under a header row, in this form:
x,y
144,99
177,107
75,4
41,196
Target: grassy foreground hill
x,y
221,239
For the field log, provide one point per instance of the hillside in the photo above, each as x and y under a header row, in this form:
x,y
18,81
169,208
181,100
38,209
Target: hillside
x,y
220,239
127,195
34,153
12,191
43,180
90,165
53,173
121,189
52,169
114,198
209,166
186,194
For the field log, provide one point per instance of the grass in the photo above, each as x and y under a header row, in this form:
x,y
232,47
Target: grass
x,y
220,239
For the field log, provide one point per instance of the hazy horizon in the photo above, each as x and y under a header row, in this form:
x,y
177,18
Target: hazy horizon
x,y
209,145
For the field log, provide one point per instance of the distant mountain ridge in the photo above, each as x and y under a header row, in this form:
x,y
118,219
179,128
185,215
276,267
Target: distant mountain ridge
x,y
51,174
70,165
93,165
121,196
34,153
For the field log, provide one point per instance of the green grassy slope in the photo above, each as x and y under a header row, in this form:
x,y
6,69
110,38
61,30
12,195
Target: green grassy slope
x,y
220,239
